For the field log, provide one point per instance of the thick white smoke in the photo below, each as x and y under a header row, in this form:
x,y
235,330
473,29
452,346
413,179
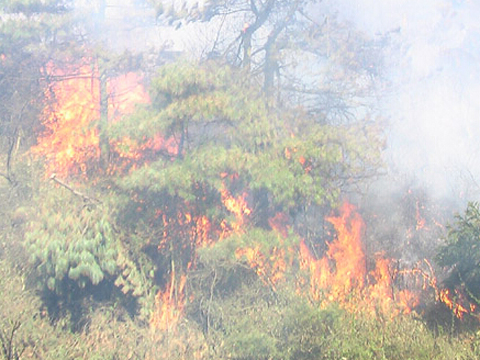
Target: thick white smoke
x,y
433,104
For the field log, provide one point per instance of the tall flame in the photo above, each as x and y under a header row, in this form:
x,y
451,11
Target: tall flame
x,y
341,276
71,145
70,142
169,304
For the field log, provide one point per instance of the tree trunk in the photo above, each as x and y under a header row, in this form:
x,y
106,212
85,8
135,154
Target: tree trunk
x,y
104,141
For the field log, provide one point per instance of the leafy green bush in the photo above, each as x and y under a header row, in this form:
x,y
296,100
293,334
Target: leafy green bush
x,y
77,251
461,253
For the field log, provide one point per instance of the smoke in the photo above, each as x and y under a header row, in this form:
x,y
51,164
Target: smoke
x,y
434,72
120,24
432,66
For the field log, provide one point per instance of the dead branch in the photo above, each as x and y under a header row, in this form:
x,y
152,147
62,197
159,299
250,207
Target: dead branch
x,y
75,192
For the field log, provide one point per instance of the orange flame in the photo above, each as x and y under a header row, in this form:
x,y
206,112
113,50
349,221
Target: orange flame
x,y
341,276
343,268
68,142
279,223
237,206
169,305
307,166
71,142
270,268
454,302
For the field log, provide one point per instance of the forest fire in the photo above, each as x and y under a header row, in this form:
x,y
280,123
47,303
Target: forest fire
x,y
454,302
169,304
71,144
238,207
69,141
269,267
342,277
244,179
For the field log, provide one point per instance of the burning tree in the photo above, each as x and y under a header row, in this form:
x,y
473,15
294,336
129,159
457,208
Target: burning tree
x,y
205,175
82,100
23,55
205,166
236,166
72,238
216,197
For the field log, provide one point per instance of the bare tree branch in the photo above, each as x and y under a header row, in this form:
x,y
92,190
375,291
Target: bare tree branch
x,y
75,192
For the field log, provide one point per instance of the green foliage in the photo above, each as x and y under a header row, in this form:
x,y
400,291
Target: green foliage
x,y
461,252
291,158
223,126
307,332
249,321
73,241
280,325
109,333
230,143
323,65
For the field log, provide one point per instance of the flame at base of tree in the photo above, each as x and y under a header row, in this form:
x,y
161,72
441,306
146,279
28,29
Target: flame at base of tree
x,y
70,144
342,277
170,301
169,304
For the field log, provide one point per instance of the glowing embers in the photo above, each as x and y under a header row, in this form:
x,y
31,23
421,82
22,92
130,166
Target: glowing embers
x,y
418,216
342,277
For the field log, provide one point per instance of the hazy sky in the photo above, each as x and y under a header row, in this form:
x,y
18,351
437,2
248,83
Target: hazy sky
x,y
434,68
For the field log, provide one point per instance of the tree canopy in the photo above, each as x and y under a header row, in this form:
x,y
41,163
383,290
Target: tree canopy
x,y
219,176
299,53
201,194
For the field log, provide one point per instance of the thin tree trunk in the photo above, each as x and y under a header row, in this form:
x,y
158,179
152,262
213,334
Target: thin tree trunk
x,y
104,141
